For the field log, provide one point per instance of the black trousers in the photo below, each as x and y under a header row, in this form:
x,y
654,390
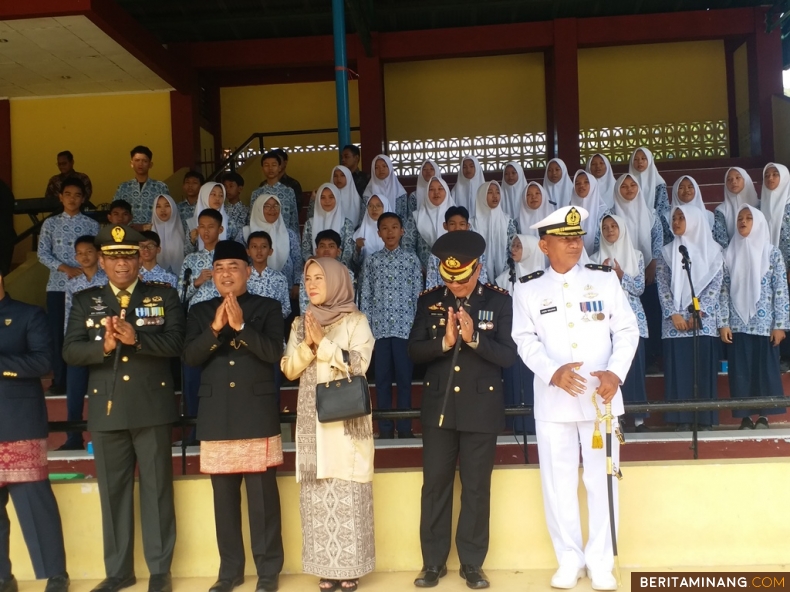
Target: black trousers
x,y
441,450
117,453
39,520
263,502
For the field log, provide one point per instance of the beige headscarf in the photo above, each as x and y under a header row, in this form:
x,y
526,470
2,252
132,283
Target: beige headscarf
x,y
339,292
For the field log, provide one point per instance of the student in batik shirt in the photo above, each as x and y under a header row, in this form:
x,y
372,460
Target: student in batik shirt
x,y
455,218
642,168
557,183
289,208
384,183
193,181
166,223
119,213
238,213
150,270
470,178
739,191
428,171
141,191
390,284
212,195
56,252
263,280
495,226
586,195
295,185
328,213
425,225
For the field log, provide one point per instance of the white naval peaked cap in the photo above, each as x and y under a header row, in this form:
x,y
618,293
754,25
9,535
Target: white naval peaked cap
x,y
564,221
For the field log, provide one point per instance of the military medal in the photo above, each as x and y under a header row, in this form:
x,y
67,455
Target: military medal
x,y
89,323
486,317
593,306
489,325
139,322
481,325
599,316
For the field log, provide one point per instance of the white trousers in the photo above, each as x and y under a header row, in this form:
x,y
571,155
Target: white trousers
x,y
558,450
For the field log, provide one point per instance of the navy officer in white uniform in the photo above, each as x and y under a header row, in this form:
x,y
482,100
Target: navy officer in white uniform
x,y
576,331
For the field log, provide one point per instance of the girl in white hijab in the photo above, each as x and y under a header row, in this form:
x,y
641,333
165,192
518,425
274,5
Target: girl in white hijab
x,y
428,171
495,226
366,238
755,281
166,222
212,195
427,223
692,232
266,215
350,203
514,184
600,168
328,214
534,206
384,183
738,191
557,183
526,257
685,190
642,167
618,252
775,205
470,178
585,195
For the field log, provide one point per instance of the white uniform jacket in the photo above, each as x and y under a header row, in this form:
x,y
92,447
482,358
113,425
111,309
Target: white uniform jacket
x,y
580,316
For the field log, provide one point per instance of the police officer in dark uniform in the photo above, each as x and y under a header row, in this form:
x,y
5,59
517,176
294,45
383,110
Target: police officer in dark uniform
x,y
136,326
25,356
462,332
237,339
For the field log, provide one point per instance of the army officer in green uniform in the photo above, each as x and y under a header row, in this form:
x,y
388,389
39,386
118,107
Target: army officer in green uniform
x,y
130,411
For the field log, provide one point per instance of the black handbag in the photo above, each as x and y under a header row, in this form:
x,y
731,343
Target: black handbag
x,y
347,397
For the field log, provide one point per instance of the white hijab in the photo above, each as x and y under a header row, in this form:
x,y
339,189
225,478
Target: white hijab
x,y
705,254
532,259
527,216
605,183
638,217
622,250
369,229
492,225
696,200
648,180
350,204
171,235
202,204
281,244
748,259
430,218
773,203
465,190
512,194
561,191
323,220
421,192
593,204
734,202
390,187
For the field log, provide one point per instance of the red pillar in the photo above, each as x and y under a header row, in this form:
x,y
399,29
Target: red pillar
x,y
562,95
372,114
5,141
765,81
185,130
730,46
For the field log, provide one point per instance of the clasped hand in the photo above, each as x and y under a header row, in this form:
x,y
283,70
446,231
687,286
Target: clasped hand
x,y
454,321
313,332
572,383
118,329
228,313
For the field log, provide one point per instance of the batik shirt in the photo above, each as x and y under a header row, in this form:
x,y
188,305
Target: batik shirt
x,y
271,284
238,214
56,245
289,209
142,200
304,299
773,307
186,211
159,274
433,279
708,301
720,230
633,288
390,286
197,262
412,241
346,241
56,182
78,284
405,206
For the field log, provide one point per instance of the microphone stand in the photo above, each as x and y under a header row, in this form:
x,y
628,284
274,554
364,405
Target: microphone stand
x,y
696,318
182,405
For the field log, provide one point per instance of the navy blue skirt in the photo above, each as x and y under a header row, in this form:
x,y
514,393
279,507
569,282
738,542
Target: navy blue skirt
x,y
754,371
633,388
679,376
652,307
519,386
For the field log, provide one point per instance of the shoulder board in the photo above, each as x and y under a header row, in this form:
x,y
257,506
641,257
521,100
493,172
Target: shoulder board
x,y
597,267
159,284
424,292
89,289
496,288
532,276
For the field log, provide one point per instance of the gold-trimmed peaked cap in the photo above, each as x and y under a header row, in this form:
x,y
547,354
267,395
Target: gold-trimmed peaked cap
x,y
563,222
118,241
458,253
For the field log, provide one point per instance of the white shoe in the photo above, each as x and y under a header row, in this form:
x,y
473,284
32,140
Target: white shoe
x,y
602,580
566,577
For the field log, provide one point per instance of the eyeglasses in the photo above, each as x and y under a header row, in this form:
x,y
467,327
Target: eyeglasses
x,y
273,208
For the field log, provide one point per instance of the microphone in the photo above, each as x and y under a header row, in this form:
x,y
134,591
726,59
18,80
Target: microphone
x,y
684,252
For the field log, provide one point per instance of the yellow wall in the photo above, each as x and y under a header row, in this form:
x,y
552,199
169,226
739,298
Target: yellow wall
x,y
99,131
465,97
671,514
643,84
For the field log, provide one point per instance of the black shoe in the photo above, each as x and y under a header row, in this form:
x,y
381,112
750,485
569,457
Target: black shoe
x,y
475,577
226,585
408,434
115,584
761,423
9,585
58,583
160,583
55,391
71,446
268,583
746,424
429,576
642,428
386,435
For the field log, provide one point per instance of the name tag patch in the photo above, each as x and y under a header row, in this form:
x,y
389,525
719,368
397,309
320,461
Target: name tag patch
x,y
548,310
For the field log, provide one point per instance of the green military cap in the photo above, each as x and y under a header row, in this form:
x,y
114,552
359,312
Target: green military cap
x,y
118,241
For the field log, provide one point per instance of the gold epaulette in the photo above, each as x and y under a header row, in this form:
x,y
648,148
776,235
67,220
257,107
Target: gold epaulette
x,y
157,284
598,267
429,290
532,276
496,288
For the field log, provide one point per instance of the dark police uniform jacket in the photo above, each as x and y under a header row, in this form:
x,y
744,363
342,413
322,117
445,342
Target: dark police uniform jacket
x,y
144,394
476,400
238,399
25,356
